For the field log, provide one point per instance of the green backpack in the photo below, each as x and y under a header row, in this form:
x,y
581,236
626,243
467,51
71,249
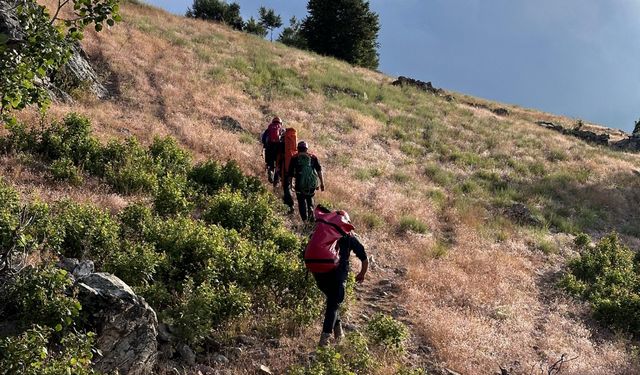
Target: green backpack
x,y
307,179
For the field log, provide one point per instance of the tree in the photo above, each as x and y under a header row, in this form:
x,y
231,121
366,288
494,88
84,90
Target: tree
x,y
254,27
270,20
218,11
41,45
292,34
345,29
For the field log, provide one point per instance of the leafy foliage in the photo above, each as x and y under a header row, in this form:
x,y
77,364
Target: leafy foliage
x,y
388,332
345,29
269,19
292,34
252,26
607,276
44,46
218,11
36,352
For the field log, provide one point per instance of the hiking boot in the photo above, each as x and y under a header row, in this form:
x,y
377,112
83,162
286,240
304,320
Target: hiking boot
x,y
324,339
338,333
270,175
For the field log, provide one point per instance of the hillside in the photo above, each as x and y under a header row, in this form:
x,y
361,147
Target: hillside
x,y
429,183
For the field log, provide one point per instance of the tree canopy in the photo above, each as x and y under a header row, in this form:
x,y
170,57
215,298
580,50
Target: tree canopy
x,y
270,20
345,29
292,34
217,10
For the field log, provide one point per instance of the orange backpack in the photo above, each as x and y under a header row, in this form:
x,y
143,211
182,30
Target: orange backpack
x,y
290,146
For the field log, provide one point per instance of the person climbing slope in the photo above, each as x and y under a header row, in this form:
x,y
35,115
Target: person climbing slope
x,y
271,142
327,258
289,149
306,170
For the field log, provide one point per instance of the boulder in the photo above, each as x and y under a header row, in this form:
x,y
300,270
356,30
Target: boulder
x,y
521,214
420,85
231,124
125,324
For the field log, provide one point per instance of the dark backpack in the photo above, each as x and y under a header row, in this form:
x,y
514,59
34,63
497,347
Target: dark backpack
x,y
273,132
307,178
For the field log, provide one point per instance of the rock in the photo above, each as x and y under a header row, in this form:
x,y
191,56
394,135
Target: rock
x,y
246,340
83,269
631,143
424,86
126,325
235,352
264,370
187,354
219,358
68,264
231,124
401,271
588,136
500,111
164,333
521,214
273,343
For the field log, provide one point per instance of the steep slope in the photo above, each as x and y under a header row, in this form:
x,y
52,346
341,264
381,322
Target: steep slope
x,y
429,183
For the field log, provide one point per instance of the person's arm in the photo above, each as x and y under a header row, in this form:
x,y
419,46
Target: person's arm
x,y
318,169
358,249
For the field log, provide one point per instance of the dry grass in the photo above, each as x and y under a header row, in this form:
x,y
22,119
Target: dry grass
x,y
480,302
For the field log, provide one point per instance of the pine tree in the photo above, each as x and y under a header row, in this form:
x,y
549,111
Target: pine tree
x,y
345,29
292,34
270,20
254,27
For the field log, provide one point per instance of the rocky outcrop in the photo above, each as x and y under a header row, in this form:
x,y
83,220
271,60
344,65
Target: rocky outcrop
x,y
424,86
503,112
632,143
125,324
76,73
589,136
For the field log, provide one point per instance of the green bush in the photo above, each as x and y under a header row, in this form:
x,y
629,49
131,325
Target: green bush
x,y
327,361
412,224
35,352
64,169
135,263
582,240
128,168
212,177
83,231
9,215
136,222
44,293
169,157
388,332
70,140
172,196
607,276
253,216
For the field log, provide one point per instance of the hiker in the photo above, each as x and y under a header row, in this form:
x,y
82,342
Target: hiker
x,y
306,170
327,258
271,142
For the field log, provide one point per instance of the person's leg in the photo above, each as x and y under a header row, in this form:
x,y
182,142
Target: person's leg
x,y
302,205
286,197
309,204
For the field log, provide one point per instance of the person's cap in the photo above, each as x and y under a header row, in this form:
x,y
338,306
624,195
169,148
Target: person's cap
x,y
302,145
276,120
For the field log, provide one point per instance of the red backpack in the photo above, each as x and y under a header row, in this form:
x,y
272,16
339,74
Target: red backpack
x,y
322,253
273,132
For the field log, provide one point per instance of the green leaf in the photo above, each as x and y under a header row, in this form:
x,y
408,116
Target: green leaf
x,y
58,327
98,27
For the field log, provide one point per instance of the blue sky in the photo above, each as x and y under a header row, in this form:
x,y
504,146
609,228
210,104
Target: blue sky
x,y
579,58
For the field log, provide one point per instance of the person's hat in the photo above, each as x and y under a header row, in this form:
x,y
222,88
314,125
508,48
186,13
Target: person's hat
x,y
302,145
345,215
276,120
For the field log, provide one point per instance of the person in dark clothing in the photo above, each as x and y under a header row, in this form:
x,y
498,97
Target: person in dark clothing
x,y
306,170
332,284
271,142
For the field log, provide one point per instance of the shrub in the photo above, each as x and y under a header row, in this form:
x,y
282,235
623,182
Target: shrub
x,y
169,157
582,240
136,221
388,332
128,168
607,276
64,169
84,231
71,140
43,292
172,196
135,263
211,177
412,224
35,352
327,361
252,216
9,215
